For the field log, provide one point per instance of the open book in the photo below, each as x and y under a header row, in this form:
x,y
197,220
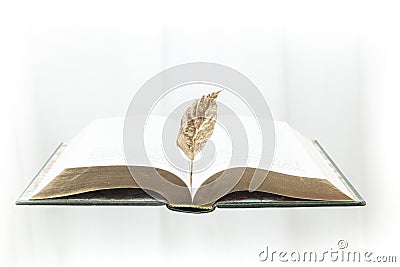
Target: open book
x,y
91,169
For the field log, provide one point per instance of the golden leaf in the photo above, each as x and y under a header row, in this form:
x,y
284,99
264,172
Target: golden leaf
x,y
197,126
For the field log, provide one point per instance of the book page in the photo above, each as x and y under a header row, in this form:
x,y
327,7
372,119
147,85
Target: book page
x,y
101,144
323,164
290,156
98,144
294,154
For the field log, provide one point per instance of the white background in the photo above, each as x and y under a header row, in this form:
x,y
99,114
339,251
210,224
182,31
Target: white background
x,y
329,68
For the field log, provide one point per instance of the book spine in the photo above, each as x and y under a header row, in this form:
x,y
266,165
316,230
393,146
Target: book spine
x,y
196,209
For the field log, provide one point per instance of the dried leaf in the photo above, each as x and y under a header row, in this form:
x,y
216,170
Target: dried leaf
x,y
197,125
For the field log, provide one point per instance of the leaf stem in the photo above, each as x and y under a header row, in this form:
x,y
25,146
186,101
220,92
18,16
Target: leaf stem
x,y
191,174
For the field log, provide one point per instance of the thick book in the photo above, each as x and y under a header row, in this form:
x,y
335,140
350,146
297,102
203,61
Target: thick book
x,y
92,170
